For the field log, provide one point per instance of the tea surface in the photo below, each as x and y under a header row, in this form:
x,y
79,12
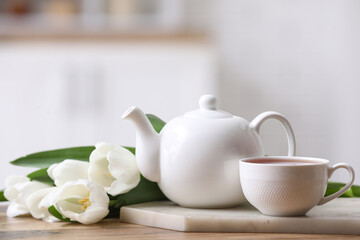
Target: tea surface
x,y
283,162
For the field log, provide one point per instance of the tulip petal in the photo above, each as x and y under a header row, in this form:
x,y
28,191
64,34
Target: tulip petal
x,y
49,199
19,194
12,186
73,189
82,201
14,179
68,170
14,209
71,205
40,211
121,161
51,169
99,169
17,191
98,195
12,192
27,189
122,165
114,168
106,147
92,215
119,187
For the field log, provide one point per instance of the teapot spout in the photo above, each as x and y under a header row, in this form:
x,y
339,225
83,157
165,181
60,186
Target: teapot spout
x,y
147,144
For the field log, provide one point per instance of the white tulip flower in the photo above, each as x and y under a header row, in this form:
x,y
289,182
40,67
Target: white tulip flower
x,y
82,201
68,170
18,190
114,168
38,207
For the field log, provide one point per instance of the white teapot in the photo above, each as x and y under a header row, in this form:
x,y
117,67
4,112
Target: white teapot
x,y
195,157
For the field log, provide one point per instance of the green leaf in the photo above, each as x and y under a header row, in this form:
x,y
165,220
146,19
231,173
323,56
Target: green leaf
x,y
47,158
2,197
145,191
156,122
40,175
58,215
356,190
131,149
333,187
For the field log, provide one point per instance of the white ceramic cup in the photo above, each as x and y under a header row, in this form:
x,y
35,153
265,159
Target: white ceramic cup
x,y
286,185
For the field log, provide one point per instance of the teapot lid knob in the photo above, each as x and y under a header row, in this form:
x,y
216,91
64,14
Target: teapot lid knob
x,y
207,102
208,109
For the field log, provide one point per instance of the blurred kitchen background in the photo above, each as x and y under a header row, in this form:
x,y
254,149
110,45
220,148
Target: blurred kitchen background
x,y
70,68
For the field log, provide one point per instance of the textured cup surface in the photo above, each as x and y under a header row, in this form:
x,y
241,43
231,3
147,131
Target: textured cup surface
x,y
278,187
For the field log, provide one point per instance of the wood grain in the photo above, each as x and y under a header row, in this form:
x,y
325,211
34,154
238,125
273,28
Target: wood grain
x,y
27,228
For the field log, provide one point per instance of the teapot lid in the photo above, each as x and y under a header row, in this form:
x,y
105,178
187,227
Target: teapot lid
x,y
208,109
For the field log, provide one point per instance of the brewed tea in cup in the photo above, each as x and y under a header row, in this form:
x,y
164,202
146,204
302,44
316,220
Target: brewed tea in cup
x,y
288,186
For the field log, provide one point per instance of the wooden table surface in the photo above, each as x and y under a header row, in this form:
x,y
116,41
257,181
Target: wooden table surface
x,y
29,228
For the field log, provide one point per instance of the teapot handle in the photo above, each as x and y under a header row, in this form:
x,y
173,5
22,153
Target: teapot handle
x,y
256,123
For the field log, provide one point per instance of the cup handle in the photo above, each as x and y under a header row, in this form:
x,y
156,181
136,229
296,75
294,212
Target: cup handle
x,y
346,187
256,123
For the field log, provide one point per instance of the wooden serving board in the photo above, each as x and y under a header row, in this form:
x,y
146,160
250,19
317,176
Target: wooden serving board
x,y
340,216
